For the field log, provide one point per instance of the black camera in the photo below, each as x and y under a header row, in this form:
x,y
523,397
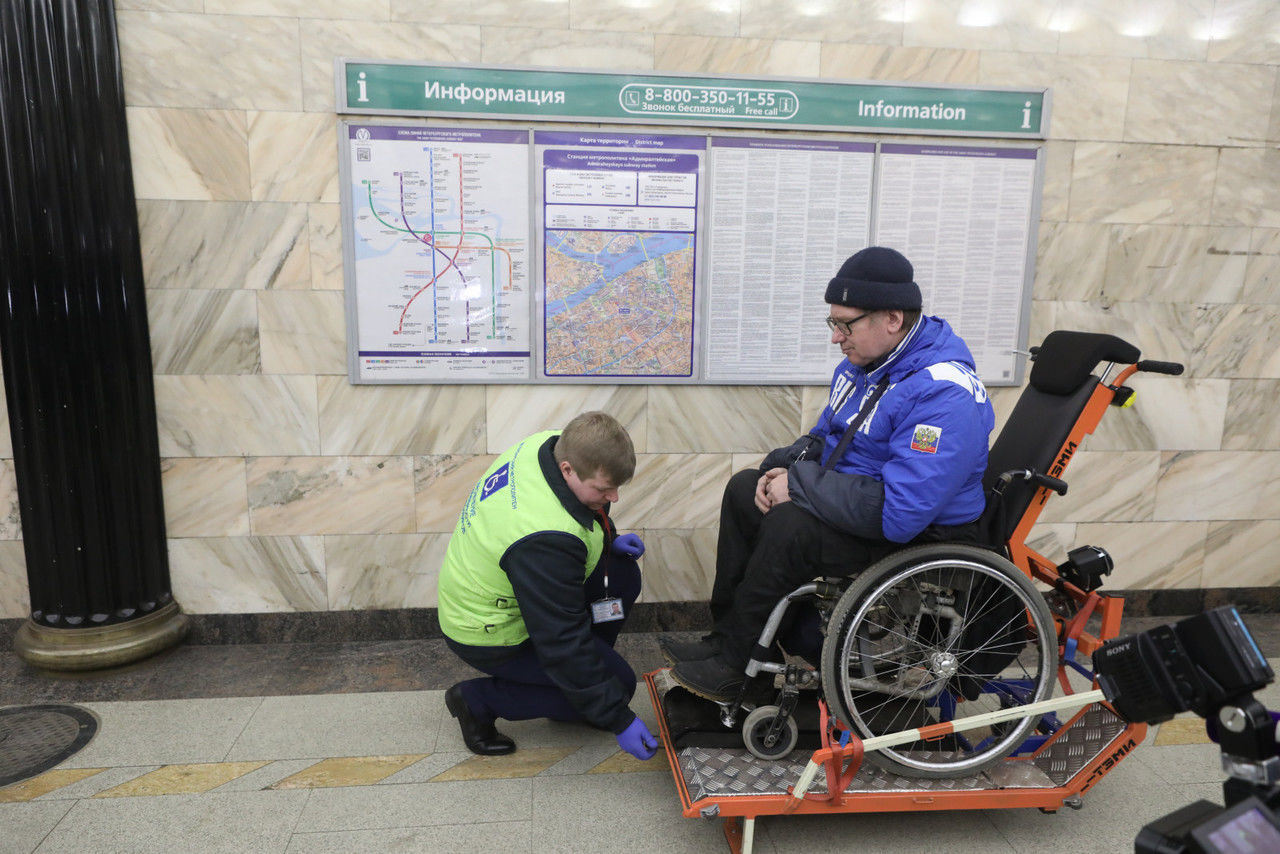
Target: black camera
x,y
1208,664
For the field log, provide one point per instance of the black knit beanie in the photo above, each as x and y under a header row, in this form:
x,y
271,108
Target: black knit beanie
x,y
875,278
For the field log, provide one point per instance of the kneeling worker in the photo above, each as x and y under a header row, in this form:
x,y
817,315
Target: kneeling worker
x,y
536,585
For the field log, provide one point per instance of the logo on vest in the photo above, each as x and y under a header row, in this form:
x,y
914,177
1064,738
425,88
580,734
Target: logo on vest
x,y
496,481
925,438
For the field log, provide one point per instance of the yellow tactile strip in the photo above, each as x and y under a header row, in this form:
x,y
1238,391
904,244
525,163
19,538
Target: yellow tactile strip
x,y
1188,730
326,773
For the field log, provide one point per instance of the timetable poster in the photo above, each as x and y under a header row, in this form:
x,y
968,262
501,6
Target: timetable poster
x,y
619,223
785,214
963,217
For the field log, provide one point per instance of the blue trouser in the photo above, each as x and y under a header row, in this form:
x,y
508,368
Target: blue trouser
x,y
519,689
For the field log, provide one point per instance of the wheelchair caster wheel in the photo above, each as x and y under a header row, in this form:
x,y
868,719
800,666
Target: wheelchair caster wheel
x,y
755,734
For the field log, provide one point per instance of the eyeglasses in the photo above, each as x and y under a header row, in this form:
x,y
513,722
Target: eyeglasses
x,y
845,327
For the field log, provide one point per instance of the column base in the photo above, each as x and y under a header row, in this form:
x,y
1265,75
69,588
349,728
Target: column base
x,y
100,647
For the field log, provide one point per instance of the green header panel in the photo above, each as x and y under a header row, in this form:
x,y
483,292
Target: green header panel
x,y
387,88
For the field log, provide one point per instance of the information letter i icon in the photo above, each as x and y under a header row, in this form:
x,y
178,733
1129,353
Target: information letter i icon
x,y
1026,113
364,90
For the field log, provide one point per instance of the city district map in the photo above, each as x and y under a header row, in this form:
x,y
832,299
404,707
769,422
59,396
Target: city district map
x,y
619,303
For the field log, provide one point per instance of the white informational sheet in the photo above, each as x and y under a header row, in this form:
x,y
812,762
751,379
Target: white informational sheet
x,y
619,223
438,253
962,216
785,214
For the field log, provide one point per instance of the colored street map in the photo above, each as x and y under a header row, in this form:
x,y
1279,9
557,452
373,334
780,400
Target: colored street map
x,y
619,303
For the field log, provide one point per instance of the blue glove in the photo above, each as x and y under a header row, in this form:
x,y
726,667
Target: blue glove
x,y
629,545
637,740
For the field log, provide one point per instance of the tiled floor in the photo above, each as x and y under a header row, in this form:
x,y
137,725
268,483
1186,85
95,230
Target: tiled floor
x,y
347,748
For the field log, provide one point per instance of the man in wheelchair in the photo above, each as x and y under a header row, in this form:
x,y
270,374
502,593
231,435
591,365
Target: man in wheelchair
x,y
897,456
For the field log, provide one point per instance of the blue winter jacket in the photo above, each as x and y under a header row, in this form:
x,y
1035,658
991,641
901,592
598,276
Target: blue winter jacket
x,y
918,458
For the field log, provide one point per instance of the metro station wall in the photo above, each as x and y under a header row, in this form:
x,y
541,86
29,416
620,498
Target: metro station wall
x,y
288,489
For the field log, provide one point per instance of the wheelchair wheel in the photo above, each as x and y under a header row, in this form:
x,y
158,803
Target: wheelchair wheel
x,y
755,731
935,633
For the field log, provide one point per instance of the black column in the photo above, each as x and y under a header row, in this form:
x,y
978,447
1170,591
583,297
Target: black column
x,y
76,347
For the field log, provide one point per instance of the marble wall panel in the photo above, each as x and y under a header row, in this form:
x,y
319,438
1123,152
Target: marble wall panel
x,y
230,416
302,332
205,497
368,10
679,565
1149,555
441,484
439,38
161,5
1089,93
203,332
1262,273
1244,344
1251,423
1196,103
1212,341
212,61
1247,191
1003,400
189,154
1111,182
516,411
246,575
1246,31
887,62
673,491
400,419
698,18
1071,261
1242,554
10,510
1169,414
6,438
1218,486
550,14
1159,29
780,58
224,244
1107,486
386,571
291,157
859,21
1025,26
705,419
325,229
1053,541
15,597
1169,263
566,48
813,400
331,495
1055,195
748,460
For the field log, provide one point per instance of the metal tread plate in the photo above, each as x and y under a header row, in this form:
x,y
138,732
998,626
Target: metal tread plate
x,y
722,773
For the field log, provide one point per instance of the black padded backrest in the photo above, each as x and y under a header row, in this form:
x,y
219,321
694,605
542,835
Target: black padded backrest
x,y
1061,383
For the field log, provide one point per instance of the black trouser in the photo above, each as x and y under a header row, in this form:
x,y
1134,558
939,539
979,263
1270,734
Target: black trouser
x,y
761,557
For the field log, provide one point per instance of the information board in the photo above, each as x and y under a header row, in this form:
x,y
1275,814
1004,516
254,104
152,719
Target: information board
x,y
785,214
437,236
504,256
964,217
619,224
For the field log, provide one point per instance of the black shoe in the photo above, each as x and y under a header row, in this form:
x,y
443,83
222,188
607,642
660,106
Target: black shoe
x,y
481,738
675,650
710,678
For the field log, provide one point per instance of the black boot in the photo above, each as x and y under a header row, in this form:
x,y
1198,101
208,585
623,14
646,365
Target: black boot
x,y
710,678
675,650
480,737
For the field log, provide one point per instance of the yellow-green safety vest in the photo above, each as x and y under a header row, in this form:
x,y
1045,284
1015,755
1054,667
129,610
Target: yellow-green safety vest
x,y
477,605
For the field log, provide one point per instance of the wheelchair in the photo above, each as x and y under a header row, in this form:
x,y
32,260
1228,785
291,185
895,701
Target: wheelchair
x,y
936,632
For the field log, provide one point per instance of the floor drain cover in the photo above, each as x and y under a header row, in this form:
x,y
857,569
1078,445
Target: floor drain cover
x,y
33,739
